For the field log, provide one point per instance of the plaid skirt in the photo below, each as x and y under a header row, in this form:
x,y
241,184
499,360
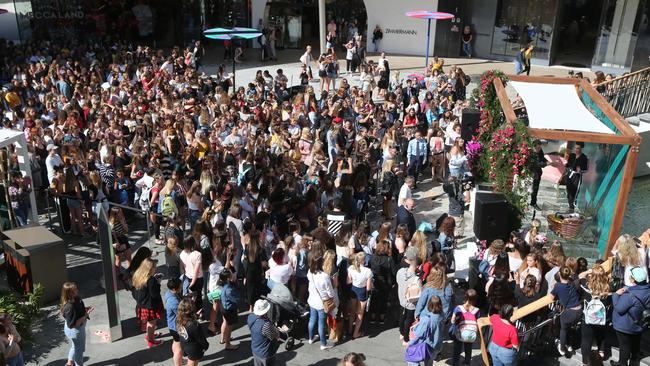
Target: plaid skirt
x,y
146,315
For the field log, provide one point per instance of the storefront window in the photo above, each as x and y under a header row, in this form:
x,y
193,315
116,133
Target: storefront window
x,y
519,22
23,15
619,32
295,20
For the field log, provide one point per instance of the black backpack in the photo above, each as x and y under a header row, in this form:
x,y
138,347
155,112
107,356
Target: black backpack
x,y
618,271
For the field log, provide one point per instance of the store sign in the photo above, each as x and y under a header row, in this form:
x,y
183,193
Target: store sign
x,y
58,15
409,32
55,9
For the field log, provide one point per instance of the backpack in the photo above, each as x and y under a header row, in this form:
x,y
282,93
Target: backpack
x,y
145,196
618,270
595,312
467,330
413,292
169,206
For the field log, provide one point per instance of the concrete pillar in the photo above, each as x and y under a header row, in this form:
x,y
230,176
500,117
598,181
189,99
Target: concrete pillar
x,y
621,37
322,25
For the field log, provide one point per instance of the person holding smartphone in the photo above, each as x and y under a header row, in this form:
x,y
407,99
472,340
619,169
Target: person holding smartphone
x,y
76,314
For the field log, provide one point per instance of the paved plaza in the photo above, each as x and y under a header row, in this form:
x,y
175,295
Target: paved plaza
x,y
380,345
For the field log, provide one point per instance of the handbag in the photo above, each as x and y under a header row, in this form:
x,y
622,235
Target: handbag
x,y
328,304
418,352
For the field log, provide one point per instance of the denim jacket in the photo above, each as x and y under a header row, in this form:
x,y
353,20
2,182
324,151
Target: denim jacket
x,y
429,323
445,298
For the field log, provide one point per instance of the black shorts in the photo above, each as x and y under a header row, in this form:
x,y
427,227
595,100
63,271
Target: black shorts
x,y
193,353
174,335
230,316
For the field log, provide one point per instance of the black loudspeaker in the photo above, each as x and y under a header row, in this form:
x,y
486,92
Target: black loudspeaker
x,y
491,216
469,123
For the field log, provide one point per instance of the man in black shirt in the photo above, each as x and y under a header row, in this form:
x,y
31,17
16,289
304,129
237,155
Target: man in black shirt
x,y
577,164
537,173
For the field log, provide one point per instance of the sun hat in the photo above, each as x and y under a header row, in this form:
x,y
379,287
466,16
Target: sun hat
x,y
261,307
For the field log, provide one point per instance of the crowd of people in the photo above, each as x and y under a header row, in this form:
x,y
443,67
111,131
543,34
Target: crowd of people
x,y
262,189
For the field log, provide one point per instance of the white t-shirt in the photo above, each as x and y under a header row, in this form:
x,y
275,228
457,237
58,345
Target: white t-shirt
x,y
404,194
50,162
190,261
280,273
215,270
359,278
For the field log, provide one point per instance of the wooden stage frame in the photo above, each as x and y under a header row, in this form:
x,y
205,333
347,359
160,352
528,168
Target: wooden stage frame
x,y
625,136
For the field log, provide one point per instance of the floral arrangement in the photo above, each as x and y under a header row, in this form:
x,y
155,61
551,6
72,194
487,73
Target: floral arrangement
x,y
473,152
501,152
509,156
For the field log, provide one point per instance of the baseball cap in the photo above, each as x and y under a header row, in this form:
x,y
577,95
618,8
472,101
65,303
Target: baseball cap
x,y
411,254
51,147
638,274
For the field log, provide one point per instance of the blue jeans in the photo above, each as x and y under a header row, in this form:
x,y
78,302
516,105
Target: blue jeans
x,y
502,356
467,49
428,362
519,67
77,337
321,316
17,360
21,215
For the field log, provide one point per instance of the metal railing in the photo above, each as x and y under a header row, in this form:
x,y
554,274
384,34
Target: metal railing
x,y
628,94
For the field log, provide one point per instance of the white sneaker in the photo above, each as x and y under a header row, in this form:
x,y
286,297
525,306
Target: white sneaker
x,y
559,348
314,340
326,347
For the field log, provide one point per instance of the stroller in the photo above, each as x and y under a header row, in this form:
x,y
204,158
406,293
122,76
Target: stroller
x,y
285,312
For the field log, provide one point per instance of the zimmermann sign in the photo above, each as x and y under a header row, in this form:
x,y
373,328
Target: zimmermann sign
x,y
410,32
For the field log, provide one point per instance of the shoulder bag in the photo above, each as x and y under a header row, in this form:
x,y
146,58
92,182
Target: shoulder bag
x,y
328,303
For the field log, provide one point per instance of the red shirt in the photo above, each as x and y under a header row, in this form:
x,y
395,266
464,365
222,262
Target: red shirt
x,y
410,121
504,335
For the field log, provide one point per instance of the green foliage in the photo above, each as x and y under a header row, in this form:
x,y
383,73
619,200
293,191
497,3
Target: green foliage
x,y
506,149
23,313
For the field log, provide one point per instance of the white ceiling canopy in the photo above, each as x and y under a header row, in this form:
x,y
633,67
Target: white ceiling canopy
x,y
557,107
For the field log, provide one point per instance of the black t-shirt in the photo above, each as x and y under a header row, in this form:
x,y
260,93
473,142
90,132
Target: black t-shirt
x,y
73,311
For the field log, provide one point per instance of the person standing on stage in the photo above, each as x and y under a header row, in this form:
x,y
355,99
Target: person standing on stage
x,y
537,173
577,164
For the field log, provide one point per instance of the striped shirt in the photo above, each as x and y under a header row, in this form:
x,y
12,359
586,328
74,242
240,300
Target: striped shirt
x,y
335,221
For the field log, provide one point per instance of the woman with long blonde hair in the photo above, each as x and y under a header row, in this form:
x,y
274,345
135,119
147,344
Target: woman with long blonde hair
x,y
360,279
146,291
626,250
437,285
555,258
419,242
531,266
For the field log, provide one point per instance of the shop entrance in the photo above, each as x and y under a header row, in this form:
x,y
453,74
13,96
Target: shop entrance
x,y
577,27
297,20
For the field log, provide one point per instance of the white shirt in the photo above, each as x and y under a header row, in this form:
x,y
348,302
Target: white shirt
x,y
50,162
215,270
359,278
320,288
280,273
404,194
190,261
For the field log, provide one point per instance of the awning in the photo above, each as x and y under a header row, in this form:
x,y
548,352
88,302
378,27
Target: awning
x,y
557,107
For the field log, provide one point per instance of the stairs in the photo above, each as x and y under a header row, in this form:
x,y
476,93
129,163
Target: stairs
x,y
552,199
